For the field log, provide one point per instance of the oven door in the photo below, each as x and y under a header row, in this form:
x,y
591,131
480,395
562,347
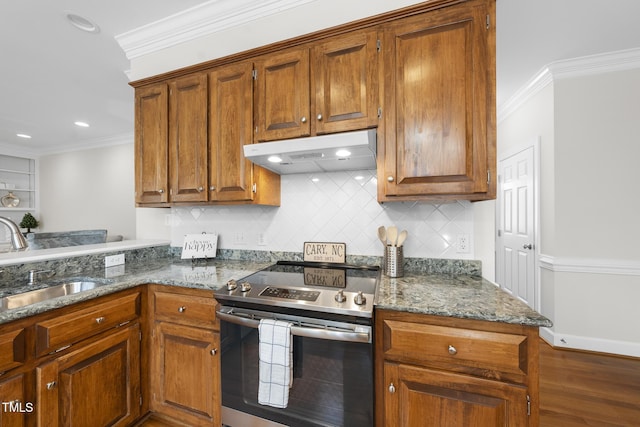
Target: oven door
x,y
332,373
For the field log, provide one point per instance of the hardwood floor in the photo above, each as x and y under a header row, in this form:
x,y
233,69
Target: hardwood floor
x,y
579,389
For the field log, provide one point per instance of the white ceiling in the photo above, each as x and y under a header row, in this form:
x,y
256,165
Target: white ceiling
x,y
52,74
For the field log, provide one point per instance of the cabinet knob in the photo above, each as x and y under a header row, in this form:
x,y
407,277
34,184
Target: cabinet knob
x,y
452,350
390,178
182,309
303,119
214,351
99,320
51,385
392,388
212,188
161,191
319,117
200,189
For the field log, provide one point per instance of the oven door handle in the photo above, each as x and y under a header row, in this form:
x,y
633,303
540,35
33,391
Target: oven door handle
x,y
302,331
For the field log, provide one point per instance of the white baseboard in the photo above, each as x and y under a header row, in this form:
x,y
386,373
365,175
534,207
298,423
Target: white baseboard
x,y
598,345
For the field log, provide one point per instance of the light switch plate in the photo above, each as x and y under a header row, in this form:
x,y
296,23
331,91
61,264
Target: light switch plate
x,y
110,261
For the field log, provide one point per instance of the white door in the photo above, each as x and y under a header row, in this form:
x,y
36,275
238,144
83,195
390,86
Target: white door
x,y
515,245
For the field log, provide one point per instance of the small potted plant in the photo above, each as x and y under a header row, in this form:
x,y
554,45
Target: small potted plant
x,y
28,222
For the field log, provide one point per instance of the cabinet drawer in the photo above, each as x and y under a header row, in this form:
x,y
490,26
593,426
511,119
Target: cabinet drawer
x,y
70,328
12,349
185,309
456,346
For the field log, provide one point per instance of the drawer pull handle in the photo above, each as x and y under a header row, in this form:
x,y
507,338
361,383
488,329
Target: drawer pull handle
x,y
392,388
99,320
182,309
51,385
214,351
452,350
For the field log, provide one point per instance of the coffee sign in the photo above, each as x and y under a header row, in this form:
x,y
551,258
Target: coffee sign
x,y
325,252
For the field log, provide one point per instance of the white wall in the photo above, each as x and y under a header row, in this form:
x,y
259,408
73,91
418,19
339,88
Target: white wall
x,y
590,268
98,191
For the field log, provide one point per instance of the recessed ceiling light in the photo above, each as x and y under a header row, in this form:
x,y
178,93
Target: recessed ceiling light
x,y
81,124
23,135
83,23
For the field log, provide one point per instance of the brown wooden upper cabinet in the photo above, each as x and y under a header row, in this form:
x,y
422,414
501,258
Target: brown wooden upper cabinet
x,y
188,139
331,86
171,141
439,105
231,176
152,144
189,136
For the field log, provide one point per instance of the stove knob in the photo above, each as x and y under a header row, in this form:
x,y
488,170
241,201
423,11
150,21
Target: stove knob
x,y
231,285
360,299
340,296
245,287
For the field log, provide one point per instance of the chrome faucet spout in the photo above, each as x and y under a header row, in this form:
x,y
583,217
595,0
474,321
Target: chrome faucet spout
x,y
18,242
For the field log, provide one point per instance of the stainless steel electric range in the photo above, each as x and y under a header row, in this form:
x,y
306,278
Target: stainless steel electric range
x,y
329,308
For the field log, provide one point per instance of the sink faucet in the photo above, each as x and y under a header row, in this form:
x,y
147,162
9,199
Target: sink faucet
x,y
18,242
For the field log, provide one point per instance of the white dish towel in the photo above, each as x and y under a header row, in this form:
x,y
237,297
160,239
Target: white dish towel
x,y
276,363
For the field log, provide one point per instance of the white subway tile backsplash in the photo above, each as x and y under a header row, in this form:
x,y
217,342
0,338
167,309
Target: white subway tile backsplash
x,y
336,207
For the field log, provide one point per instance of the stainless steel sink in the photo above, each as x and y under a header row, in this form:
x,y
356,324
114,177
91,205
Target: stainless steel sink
x,y
65,288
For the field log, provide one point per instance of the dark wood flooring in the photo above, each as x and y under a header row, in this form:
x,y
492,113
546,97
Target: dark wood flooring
x,y
577,389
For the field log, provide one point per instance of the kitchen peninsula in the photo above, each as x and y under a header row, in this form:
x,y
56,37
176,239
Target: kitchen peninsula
x,y
43,344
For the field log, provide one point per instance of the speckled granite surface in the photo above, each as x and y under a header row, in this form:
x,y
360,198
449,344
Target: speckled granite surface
x,y
463,296
450,288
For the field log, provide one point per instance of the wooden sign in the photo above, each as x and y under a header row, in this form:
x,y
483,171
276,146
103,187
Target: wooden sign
x,y
325,252
199,246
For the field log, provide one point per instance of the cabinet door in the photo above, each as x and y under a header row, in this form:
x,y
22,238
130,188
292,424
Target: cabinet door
x,y
230,128
439,97
282,95
428,398
15,407
188,138
186,380
151,144
96,385
344,83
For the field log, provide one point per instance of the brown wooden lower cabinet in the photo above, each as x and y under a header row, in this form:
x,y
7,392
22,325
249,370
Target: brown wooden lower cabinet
x,y
185,357
15,403
96,385
440,371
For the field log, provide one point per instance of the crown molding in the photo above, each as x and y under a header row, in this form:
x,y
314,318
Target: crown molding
x,y
583,66
199,21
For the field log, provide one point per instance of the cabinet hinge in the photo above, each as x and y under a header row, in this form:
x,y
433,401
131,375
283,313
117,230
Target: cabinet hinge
x,y
140,400
488,177
379,112
378,45
254,188
488,22
254,74
528,405
140,335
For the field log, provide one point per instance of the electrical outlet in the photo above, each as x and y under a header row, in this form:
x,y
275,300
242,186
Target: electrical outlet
x,y
110,261
238,238
463,244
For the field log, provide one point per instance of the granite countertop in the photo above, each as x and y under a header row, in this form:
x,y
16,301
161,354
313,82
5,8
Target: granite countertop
x,y
450,295
209,275
463,296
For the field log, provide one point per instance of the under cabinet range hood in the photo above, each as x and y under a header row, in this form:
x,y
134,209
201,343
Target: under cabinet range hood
x,y
325,153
